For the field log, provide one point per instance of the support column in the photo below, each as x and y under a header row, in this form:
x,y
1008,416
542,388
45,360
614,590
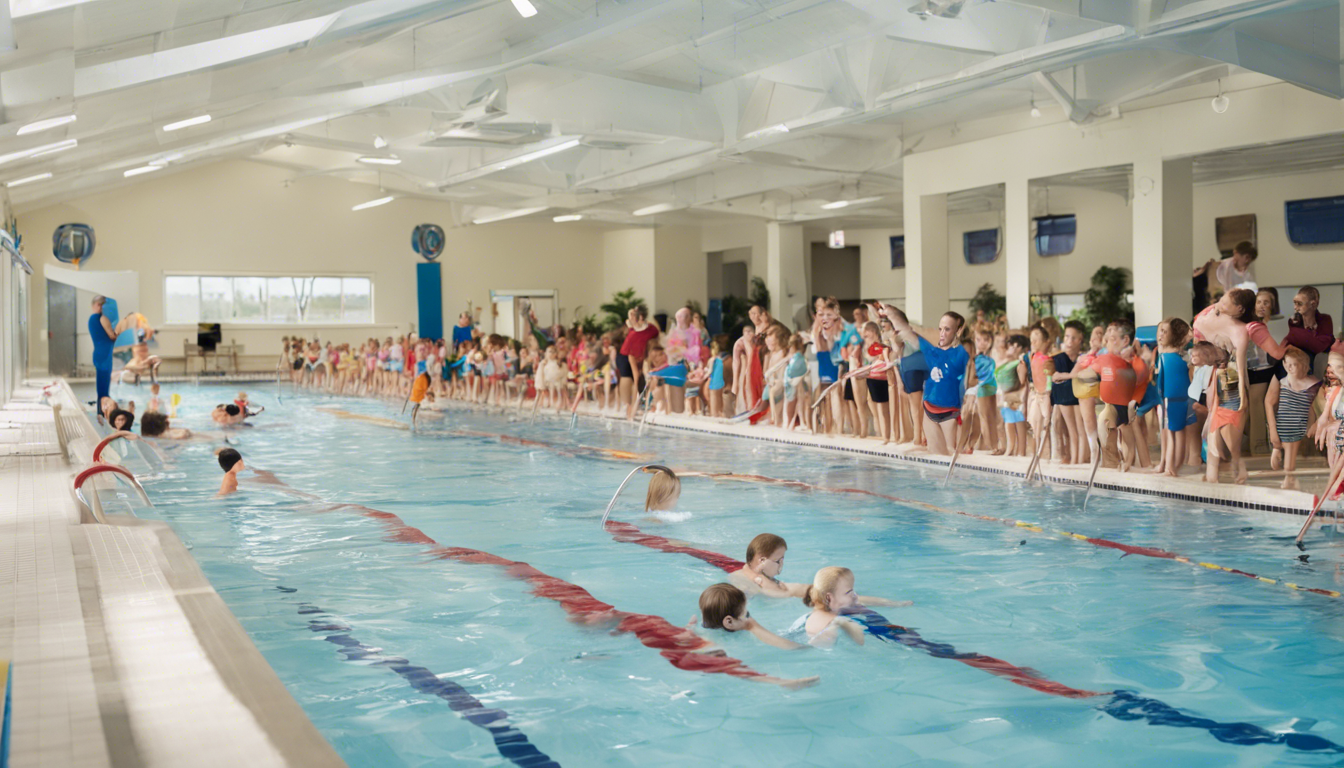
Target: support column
x,y
1017,251
926,296
785,275
1163,211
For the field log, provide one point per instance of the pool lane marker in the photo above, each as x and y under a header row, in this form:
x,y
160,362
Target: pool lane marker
x,y
1128,549
1122,705
678,645
511,743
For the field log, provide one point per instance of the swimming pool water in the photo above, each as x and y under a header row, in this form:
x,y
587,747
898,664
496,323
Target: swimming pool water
x,y
330,594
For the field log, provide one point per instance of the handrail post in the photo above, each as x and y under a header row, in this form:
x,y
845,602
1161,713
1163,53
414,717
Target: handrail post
x,y
95,507
640,468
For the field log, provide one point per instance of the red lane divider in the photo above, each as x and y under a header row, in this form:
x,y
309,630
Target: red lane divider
x,y
877,624
678,645
1131,549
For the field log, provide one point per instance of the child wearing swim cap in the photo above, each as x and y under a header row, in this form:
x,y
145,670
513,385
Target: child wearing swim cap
x,y
724,606
232,463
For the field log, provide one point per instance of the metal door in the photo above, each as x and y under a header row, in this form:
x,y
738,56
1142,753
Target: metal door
x,y
62,325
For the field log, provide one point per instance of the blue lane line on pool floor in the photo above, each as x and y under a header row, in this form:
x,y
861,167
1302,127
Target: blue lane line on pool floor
x,y
511,742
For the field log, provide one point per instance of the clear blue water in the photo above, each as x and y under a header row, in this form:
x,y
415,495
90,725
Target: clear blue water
x,y
1211,644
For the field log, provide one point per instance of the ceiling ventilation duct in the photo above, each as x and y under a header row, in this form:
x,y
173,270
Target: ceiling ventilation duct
x,y
944,9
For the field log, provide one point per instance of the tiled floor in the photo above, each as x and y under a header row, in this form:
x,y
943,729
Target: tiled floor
x,y
122,654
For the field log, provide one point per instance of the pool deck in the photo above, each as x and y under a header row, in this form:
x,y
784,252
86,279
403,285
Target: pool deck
x,y
120,652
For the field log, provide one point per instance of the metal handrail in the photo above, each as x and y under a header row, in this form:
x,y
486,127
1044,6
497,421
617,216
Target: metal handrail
x,y
626,481
98,449
95,508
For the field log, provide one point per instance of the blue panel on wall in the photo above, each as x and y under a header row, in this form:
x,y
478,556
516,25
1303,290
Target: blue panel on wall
x,y
714,319
429,293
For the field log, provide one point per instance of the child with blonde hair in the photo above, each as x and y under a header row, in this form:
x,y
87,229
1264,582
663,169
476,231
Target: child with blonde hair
x,y
831,593
1290,400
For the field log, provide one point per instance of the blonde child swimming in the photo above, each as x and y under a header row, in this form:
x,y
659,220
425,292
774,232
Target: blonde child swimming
x,y
831,593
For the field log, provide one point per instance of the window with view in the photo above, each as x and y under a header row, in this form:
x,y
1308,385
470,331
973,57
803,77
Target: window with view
x,y
190,299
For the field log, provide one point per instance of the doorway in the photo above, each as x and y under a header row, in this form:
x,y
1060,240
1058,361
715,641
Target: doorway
x,y
62,329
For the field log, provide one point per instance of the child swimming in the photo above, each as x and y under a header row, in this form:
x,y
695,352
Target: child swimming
x,y
831,593
232,463
664,492
724,606
764,562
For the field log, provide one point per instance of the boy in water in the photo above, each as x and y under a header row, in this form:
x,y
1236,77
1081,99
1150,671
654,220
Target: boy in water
x,y
232,463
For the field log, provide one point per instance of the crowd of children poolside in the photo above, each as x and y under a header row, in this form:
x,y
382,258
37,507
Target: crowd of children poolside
x,y
1193,396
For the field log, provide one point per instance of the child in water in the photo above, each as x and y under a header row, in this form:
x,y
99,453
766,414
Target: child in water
x,y
661,502
232,463
723,606
831,593
765,560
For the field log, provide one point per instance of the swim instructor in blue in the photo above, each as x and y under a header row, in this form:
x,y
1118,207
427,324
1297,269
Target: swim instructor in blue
x,y
104,335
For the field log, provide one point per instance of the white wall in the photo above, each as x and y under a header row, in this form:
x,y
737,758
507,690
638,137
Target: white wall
x,y
239,217
835,271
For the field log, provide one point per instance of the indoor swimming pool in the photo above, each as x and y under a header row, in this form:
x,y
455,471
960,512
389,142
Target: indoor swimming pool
x,y
386,585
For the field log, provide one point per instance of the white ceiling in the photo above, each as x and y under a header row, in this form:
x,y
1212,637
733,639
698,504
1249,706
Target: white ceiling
x,y
605,107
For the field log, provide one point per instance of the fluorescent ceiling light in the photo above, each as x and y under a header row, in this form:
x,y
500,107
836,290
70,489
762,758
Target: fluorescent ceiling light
x,y
28,180
374,203
372,160
509,162
198,120
525,8
45,149
769,130
143,169
659,208
567,217
847,203
508,215
46,125
54,148
537,154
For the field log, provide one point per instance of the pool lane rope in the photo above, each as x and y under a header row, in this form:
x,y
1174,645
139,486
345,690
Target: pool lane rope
x,y
511,743
1128,549
681,647
1120,704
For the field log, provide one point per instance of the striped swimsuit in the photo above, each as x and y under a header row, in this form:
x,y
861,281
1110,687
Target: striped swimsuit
x,y
1294,410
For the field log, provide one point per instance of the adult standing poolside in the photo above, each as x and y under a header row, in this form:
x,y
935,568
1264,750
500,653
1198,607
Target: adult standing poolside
x,y
630,359
1310,330
104,335
951,371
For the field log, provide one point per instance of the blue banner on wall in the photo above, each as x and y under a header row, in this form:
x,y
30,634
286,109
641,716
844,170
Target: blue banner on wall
x,y
429,292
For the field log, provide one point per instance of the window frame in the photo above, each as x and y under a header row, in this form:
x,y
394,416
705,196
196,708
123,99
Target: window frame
x,y
966,246
1336,202
368,314
1050,219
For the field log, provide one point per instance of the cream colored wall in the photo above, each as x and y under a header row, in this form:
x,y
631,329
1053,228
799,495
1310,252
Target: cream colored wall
x,y
1280,262
628,262
730,238
1105,238
239,217
682,269
877,280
